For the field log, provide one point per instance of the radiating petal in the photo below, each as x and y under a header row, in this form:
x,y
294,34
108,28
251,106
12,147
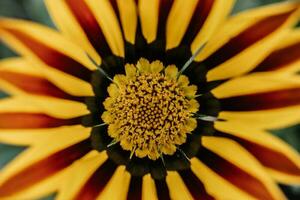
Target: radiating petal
x,y
254,84
265,119
217,186
117,187
28,87
89,27
106,17
209,24
149,17
58,59
42,161
26,137
285,58
274,99
71,25
97,182
148,189
195,185
282,161
20,113
179,19
25,78
239,168
178,190
128,18
53,108
74,181
246,39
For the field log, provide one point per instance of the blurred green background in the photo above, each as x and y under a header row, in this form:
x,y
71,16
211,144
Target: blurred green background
x,y
35,10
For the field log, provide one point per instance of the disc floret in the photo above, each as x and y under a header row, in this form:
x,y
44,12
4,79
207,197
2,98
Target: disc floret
x,y
150,109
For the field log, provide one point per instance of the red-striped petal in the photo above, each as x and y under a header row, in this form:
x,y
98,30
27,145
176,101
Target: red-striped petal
x,y
52,57
245,39
45,168
97,182
18,120
262,101
234,175
280,58
36,85
200,15
268,157
194,185
90,26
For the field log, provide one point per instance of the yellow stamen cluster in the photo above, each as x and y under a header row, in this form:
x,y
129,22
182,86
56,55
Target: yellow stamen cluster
x,y
149,110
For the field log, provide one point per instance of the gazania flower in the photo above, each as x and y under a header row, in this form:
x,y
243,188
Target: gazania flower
x,y
160,99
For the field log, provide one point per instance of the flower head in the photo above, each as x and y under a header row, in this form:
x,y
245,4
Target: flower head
x,y
151,99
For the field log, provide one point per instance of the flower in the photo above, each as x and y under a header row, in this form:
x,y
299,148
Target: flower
x,y
151,99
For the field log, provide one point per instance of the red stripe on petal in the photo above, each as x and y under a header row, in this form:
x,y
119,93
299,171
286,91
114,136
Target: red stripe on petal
x,y
262,101
268,157
234,175
248,37
52,57
164,10
135,188
97,182
280,58
44,169
33,120
194,185
200,15
114,5
162,189
90,26
36,85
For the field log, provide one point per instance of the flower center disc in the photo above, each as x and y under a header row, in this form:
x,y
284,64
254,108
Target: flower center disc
x,y
150,109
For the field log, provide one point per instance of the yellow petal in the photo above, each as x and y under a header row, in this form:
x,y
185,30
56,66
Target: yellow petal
x,y
68,52
148,188
282,162
79,173
214,184
128,15
107,19
19,77
148,12
235,154
178,21
35,137
178,190
265,119
55,108
255,83
118,185
254,52
285,58
69,26
37,155
217,16
40,190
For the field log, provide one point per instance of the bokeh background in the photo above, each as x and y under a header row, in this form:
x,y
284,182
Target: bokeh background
x,y
35,10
